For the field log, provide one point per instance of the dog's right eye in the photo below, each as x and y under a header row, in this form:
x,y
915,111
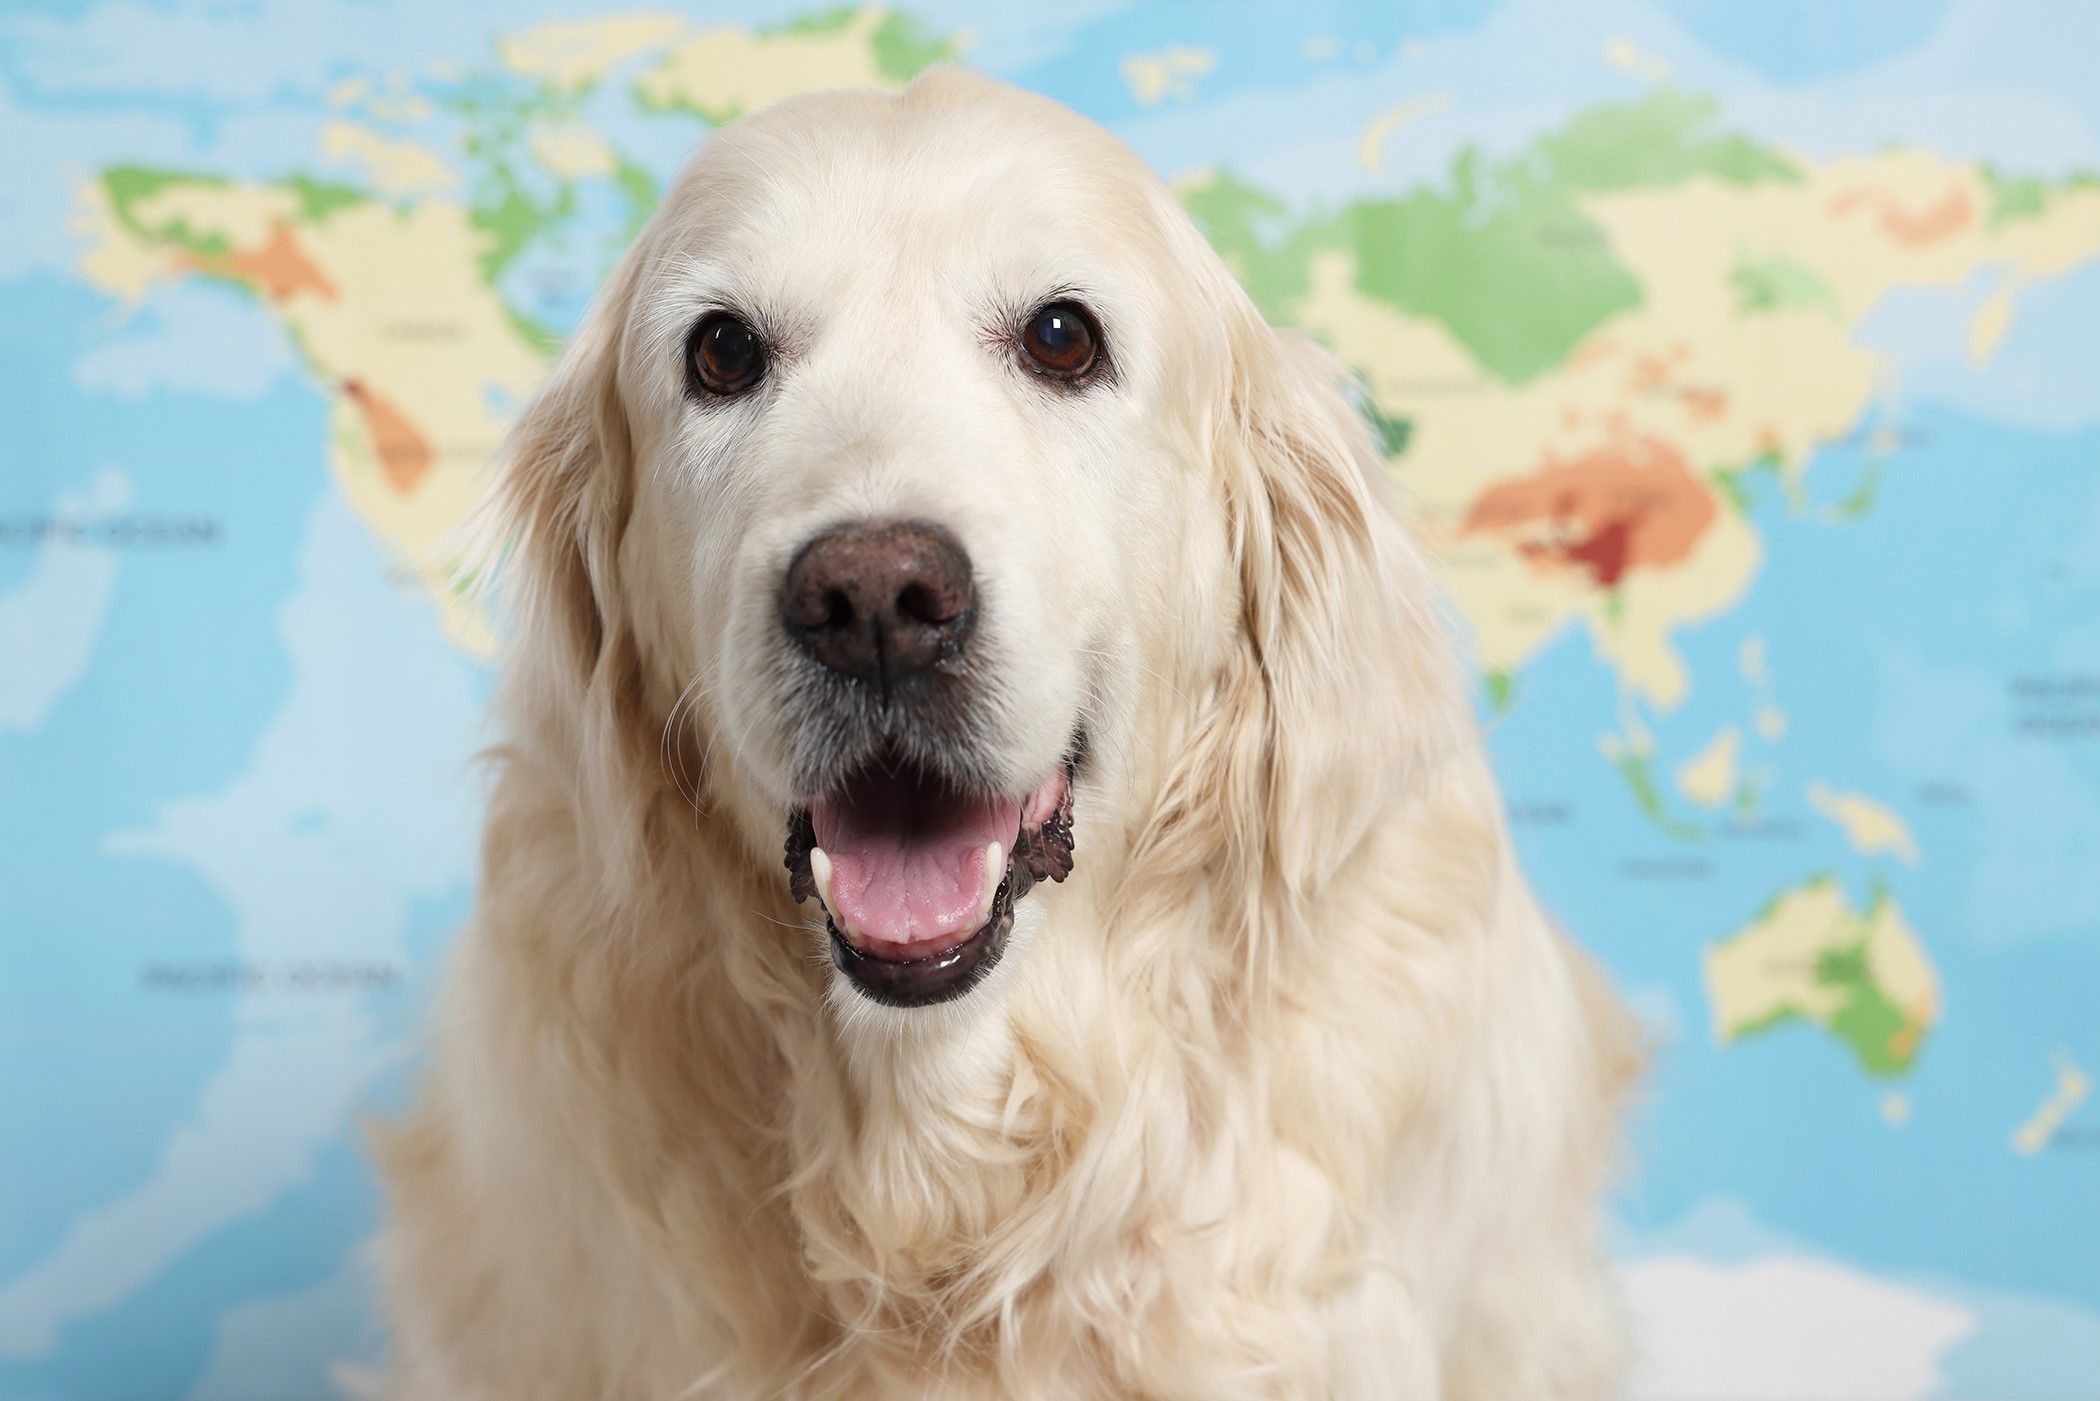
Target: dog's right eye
x,y
725,354
1061,340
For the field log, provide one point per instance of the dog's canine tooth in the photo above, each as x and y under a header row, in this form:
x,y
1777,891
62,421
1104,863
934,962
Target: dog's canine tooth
x,y
994,872
820,871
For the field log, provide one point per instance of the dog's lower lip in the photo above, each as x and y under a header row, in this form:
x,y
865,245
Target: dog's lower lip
x,y
923,982
918,951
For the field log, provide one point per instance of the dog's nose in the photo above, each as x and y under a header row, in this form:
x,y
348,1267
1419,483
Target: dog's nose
x,y
880,601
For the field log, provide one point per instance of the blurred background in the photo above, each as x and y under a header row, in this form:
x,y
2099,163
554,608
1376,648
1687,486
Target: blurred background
x,y
1742,363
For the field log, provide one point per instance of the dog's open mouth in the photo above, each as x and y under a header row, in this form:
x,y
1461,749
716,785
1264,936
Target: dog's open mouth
x,y
918,878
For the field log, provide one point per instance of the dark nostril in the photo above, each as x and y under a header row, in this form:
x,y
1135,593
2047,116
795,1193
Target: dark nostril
x,y
917,602
880,601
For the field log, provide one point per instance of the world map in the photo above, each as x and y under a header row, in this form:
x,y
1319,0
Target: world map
x,y
1736,363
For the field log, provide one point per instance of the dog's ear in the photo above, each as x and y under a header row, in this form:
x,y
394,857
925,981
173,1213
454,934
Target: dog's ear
x,y
1341,692
555,521
563,491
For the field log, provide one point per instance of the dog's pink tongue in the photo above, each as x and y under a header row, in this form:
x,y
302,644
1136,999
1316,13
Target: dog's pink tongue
x,y
907,858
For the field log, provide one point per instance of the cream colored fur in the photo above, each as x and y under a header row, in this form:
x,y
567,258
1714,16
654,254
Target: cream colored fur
x,y
1290,1091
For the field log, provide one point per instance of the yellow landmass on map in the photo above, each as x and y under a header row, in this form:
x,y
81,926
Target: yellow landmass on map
x,y
572,55
392,167
2071,1088
1472,432
1626,56
572,151
1713,369
246,216
407,340
1370,145
402,107
1788,376
390,304
1872,828
111,259
1153,78
1988,326
1810,955
726,71
1709,777
397,102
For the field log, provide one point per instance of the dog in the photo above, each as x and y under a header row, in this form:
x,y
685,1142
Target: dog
x,y
992,886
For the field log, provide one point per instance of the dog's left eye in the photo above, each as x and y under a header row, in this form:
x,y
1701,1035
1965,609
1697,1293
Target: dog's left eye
x,y
1060,338
726,354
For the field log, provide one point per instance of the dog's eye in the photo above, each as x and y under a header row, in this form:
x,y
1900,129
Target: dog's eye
x,y
1060,338
726,355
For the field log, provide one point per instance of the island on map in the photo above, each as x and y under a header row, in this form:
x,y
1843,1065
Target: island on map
x,y
1810,956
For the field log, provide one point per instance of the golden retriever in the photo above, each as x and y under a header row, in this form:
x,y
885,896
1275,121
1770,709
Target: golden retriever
x,y
1148,1004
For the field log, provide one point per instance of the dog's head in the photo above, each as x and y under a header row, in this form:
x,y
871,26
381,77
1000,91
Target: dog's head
x,y
924,459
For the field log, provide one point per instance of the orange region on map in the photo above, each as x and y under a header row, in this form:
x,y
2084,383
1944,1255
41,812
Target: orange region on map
x,y
1656,375
1632,503
1913,228
404,454
278,269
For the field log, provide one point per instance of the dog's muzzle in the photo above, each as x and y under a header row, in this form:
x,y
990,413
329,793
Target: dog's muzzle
x,y
917,859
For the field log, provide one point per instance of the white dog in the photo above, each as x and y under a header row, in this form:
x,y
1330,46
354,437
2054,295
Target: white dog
x,y
1149,1005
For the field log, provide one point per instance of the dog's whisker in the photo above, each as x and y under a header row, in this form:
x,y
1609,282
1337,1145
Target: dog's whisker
x,y
1144,668
667,744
